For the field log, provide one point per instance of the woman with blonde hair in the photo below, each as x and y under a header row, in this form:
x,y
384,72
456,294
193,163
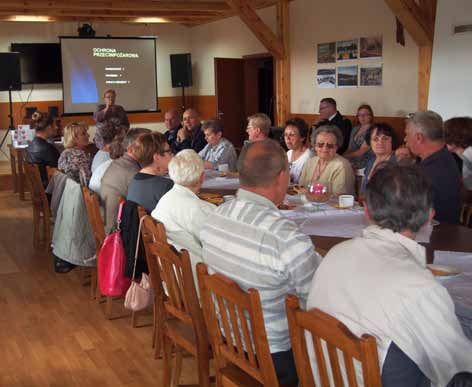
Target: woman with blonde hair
x,y
74,160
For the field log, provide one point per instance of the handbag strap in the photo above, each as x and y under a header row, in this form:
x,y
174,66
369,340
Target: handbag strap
x,y
137,246
120,210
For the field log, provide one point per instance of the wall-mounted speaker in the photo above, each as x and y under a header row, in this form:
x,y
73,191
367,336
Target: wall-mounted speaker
x,y
10,76
181,70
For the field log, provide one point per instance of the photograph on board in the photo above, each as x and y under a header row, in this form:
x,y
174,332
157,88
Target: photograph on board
x,y
327,52
347,76
326,78
371,47
347,49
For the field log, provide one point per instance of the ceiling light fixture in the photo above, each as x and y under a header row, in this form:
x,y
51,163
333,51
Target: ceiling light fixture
x,y
31,18
150,20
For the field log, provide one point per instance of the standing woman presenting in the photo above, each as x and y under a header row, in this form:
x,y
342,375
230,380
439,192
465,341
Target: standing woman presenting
x,y
115,114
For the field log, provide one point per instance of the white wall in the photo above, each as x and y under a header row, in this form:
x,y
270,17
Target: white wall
x,y
228,38
311,24
450,92
172,38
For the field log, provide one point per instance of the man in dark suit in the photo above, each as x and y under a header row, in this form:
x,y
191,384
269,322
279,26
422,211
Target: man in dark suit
x,y
329,115
191,135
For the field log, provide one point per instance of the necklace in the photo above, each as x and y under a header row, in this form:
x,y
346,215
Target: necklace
x,y
319,170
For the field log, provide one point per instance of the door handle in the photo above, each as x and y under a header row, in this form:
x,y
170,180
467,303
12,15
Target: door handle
x,y
220,114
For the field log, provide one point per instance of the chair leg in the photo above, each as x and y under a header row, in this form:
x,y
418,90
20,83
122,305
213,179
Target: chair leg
x,y
93,283
203,363
178,367
154,325
167,358
109,307
36,220
47,233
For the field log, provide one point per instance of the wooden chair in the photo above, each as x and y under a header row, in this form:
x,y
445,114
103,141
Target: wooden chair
x,y
241,351
150,232
41,210
92,206
336,335
181,319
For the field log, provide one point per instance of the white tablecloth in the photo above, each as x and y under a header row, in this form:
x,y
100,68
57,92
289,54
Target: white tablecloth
x,y
460,286
325,220
214,181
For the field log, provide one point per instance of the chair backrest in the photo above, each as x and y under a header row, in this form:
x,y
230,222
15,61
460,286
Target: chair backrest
x,y
175,273
50,172
327,329
227,310
92,206
38,194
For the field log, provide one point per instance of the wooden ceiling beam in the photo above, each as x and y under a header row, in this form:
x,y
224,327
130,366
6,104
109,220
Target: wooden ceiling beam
x,y
419,20
203,6
109,14
414,19
243,9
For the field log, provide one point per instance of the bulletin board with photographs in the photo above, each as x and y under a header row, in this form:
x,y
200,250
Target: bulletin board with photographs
x,y
350,63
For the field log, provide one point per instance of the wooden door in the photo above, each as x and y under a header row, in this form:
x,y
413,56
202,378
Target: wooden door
x,y
229,90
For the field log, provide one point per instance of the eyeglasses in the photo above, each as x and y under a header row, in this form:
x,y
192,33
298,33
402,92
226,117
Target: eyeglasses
x,y
323,144
167,151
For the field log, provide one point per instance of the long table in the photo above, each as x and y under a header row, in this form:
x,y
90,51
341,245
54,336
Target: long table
x,y
442,237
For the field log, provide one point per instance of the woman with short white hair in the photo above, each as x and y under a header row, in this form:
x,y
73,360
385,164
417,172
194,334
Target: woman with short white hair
x,y
180,209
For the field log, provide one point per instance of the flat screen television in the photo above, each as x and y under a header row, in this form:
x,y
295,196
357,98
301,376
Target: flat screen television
x,y
39,62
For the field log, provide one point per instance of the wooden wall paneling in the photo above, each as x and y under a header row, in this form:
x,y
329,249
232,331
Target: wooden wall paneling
x,y
205,104
398,123
282,65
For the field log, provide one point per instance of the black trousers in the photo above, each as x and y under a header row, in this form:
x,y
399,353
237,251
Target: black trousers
x,y
285,369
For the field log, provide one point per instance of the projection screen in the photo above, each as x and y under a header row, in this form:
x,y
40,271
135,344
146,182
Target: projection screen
x,y
92,65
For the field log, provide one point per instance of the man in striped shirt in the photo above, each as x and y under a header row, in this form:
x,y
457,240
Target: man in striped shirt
x,y
248,240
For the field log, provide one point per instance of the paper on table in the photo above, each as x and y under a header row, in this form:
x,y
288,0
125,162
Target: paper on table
x,y
459,260
333,222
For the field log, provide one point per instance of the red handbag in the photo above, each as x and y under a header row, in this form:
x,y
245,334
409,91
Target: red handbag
x,y
111,263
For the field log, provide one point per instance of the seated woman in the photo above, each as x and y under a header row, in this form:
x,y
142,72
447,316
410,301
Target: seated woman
x,y
180,209
386,266
359,152
327,167
104,136
458,135
153,154
74,160
383,141
218,150
295,133
40,151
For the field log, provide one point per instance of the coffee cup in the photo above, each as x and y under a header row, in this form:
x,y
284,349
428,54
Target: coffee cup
x,y
346,201
227,198
223,168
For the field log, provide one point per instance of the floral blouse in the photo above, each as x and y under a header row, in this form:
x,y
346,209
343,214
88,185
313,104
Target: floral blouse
x,y
72,161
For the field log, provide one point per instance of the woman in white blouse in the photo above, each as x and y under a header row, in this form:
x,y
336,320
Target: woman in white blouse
x,y
180,209
295,133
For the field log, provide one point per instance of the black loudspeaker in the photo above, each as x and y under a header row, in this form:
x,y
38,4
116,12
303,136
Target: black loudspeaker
x,y
29,111
53,111
10,76
181,70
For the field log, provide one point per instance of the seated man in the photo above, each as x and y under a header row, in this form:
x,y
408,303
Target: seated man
x,y
258,127
219,150
424,137
191,135
248,240
378,284
117,177
329,115
180,209
173,125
